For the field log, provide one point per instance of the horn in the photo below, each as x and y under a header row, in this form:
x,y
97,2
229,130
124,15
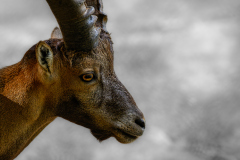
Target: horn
x,y
77,24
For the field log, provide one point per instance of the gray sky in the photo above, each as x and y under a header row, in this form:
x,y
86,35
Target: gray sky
x,y
178,58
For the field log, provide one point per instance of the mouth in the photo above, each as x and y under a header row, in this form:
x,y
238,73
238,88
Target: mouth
x,y
120,135
123,132
124,137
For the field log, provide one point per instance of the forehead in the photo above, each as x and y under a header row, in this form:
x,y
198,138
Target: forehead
x,y
101,56
91,60
85,61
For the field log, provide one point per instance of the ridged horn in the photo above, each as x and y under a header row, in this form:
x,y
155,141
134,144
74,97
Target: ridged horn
x,y
102,17
77,24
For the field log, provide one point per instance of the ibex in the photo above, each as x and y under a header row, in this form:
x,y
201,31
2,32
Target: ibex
x,y
71,75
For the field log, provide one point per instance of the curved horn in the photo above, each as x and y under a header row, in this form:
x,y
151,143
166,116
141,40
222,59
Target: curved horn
x,y
76,23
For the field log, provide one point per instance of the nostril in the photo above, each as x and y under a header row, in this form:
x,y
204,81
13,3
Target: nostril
x,y
140,122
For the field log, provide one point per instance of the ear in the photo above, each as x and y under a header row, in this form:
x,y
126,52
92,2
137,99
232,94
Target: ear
x,y
56,33
44,55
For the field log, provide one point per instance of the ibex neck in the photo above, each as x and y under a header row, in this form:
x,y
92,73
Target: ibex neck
x,y
15,82
22,118
16,132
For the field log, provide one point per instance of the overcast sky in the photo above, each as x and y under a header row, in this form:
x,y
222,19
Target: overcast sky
x,y
178,58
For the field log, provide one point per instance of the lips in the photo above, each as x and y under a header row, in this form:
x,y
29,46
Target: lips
x,y
127,133
124,137
123,132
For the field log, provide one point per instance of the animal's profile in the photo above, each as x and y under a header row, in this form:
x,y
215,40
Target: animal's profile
x,y
71,75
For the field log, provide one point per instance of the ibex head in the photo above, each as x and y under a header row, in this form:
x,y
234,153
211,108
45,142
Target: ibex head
x,y
77,75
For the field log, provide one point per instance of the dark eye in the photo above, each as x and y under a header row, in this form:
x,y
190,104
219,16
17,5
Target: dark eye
x,y
87,77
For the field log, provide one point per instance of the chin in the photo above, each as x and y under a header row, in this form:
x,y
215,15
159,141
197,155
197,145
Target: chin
x,y
101,135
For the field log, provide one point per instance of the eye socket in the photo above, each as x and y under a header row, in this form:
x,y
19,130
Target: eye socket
x,y
87,77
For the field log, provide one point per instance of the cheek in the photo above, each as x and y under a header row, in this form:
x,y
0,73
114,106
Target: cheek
x,y
97,95
90,96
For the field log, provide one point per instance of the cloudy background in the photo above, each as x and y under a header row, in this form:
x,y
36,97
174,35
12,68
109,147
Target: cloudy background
x,y
178,58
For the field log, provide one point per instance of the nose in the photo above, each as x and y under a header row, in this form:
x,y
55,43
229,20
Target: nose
x,y
140,122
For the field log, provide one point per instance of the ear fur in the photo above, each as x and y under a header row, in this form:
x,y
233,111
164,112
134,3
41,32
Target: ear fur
x,y
56,33
44,55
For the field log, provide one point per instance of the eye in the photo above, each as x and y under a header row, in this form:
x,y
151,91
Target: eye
x,y
87,77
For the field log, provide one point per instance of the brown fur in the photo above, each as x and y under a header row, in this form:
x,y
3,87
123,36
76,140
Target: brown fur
x,y
32,97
